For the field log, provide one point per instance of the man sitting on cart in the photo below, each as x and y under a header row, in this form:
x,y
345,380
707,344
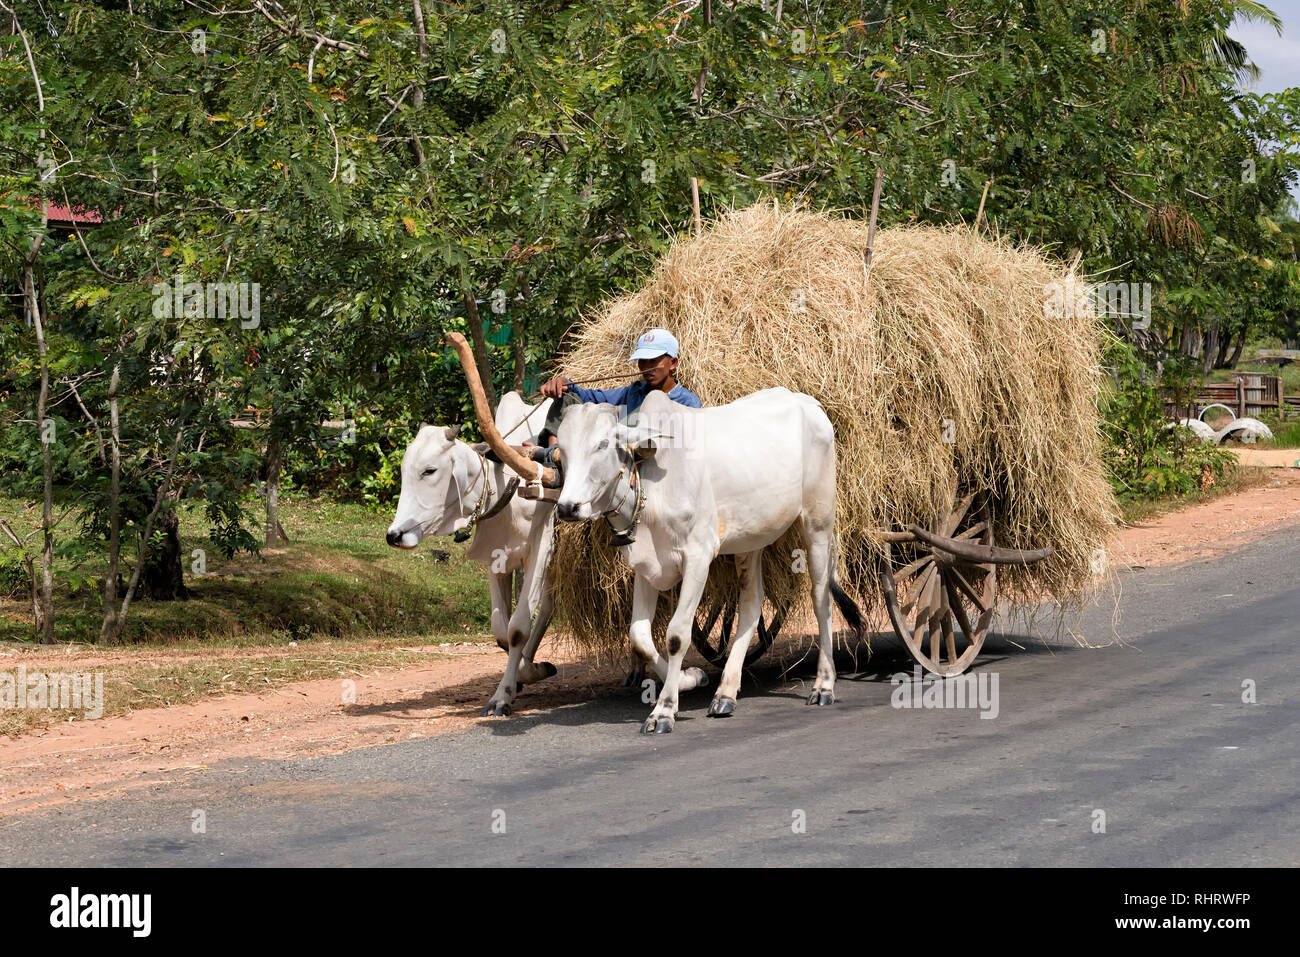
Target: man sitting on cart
x,y
656,357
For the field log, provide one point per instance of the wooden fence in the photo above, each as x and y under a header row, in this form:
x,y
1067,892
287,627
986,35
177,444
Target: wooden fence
x,y
1248,394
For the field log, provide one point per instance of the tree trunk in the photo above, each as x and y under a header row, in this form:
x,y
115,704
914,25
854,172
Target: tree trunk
x,y
1241,344
34,581
274,464
417,14
1221,360
107,626
417,95
697,93
1209,347
44,623
142,555
164,578
479,344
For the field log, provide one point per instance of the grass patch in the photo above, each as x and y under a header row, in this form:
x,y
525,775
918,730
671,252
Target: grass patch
x,y
336,578
1286,435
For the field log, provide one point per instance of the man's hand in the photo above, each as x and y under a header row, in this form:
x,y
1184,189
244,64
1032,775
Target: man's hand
x,y
555,388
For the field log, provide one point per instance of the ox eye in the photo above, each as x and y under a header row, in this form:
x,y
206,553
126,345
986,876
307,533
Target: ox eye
x,y
427,473
604,444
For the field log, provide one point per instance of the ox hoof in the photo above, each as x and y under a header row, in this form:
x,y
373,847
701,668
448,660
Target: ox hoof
x,y
519,686
701,679
547,670
821,698
657,725
722,707
496,709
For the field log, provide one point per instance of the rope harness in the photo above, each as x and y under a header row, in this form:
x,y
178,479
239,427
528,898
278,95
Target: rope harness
x,y
632,485
479,515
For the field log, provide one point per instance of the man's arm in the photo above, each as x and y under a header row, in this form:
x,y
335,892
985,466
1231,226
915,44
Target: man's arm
x,y
559,386
612,396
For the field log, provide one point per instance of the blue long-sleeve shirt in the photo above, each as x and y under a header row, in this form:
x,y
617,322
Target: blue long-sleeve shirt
x,y
634,394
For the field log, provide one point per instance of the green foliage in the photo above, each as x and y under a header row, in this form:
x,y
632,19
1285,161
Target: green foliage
x,y
340,578
381,487
1286,435
14,582
1178,470
367,468
1146,458
536,158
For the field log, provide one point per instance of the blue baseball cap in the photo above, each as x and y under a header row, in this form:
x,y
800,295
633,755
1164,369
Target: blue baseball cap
x,y
653,344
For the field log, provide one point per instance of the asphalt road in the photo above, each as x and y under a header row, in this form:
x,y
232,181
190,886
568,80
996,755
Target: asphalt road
x,y
1153,734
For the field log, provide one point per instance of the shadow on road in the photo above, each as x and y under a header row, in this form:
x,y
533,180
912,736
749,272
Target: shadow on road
x,y
786,672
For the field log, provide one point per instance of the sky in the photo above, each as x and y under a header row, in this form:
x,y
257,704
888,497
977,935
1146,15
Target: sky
x,y
1278,57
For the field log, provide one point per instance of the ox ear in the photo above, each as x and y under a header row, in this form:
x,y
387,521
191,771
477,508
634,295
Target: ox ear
x,y
452,431
642,440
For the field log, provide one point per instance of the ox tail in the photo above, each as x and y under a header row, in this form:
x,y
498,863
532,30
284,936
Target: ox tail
x,y
849,609
847,606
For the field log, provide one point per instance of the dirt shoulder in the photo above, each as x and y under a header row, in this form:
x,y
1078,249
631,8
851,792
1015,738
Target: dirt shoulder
x,y
1270,458
442,693
154,746
1215,527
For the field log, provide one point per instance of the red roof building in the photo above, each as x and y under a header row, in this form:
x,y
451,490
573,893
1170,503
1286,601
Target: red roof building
x,y
61,217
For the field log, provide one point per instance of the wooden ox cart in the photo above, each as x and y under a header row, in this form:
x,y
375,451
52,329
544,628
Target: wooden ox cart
x,y
939,585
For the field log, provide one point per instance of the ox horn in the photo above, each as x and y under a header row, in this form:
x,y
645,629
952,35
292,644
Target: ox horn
x,y
529,470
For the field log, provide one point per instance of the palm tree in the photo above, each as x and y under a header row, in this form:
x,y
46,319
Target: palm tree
x,y
1223,50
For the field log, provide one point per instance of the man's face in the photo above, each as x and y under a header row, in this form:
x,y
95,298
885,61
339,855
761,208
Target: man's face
x,y
656,371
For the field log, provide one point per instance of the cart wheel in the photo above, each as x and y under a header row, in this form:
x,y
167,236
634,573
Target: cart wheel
x,y
717,655
926,590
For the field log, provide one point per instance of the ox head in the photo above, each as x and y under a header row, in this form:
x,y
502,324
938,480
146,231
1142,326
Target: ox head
x,y
438,473
599,451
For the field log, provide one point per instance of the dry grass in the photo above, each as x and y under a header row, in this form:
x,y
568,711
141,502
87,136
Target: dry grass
x,y
130,684
946,339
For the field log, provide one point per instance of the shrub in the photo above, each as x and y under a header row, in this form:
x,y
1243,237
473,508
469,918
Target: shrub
x,y
1146,458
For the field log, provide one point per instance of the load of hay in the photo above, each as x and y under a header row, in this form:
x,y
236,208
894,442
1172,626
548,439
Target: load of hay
x,y
940,363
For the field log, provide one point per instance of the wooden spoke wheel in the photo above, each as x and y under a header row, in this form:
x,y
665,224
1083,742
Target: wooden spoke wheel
x,y
941,605
716,654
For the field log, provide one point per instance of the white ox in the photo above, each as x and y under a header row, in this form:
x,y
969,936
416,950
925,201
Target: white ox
x,y
446,486
728,480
